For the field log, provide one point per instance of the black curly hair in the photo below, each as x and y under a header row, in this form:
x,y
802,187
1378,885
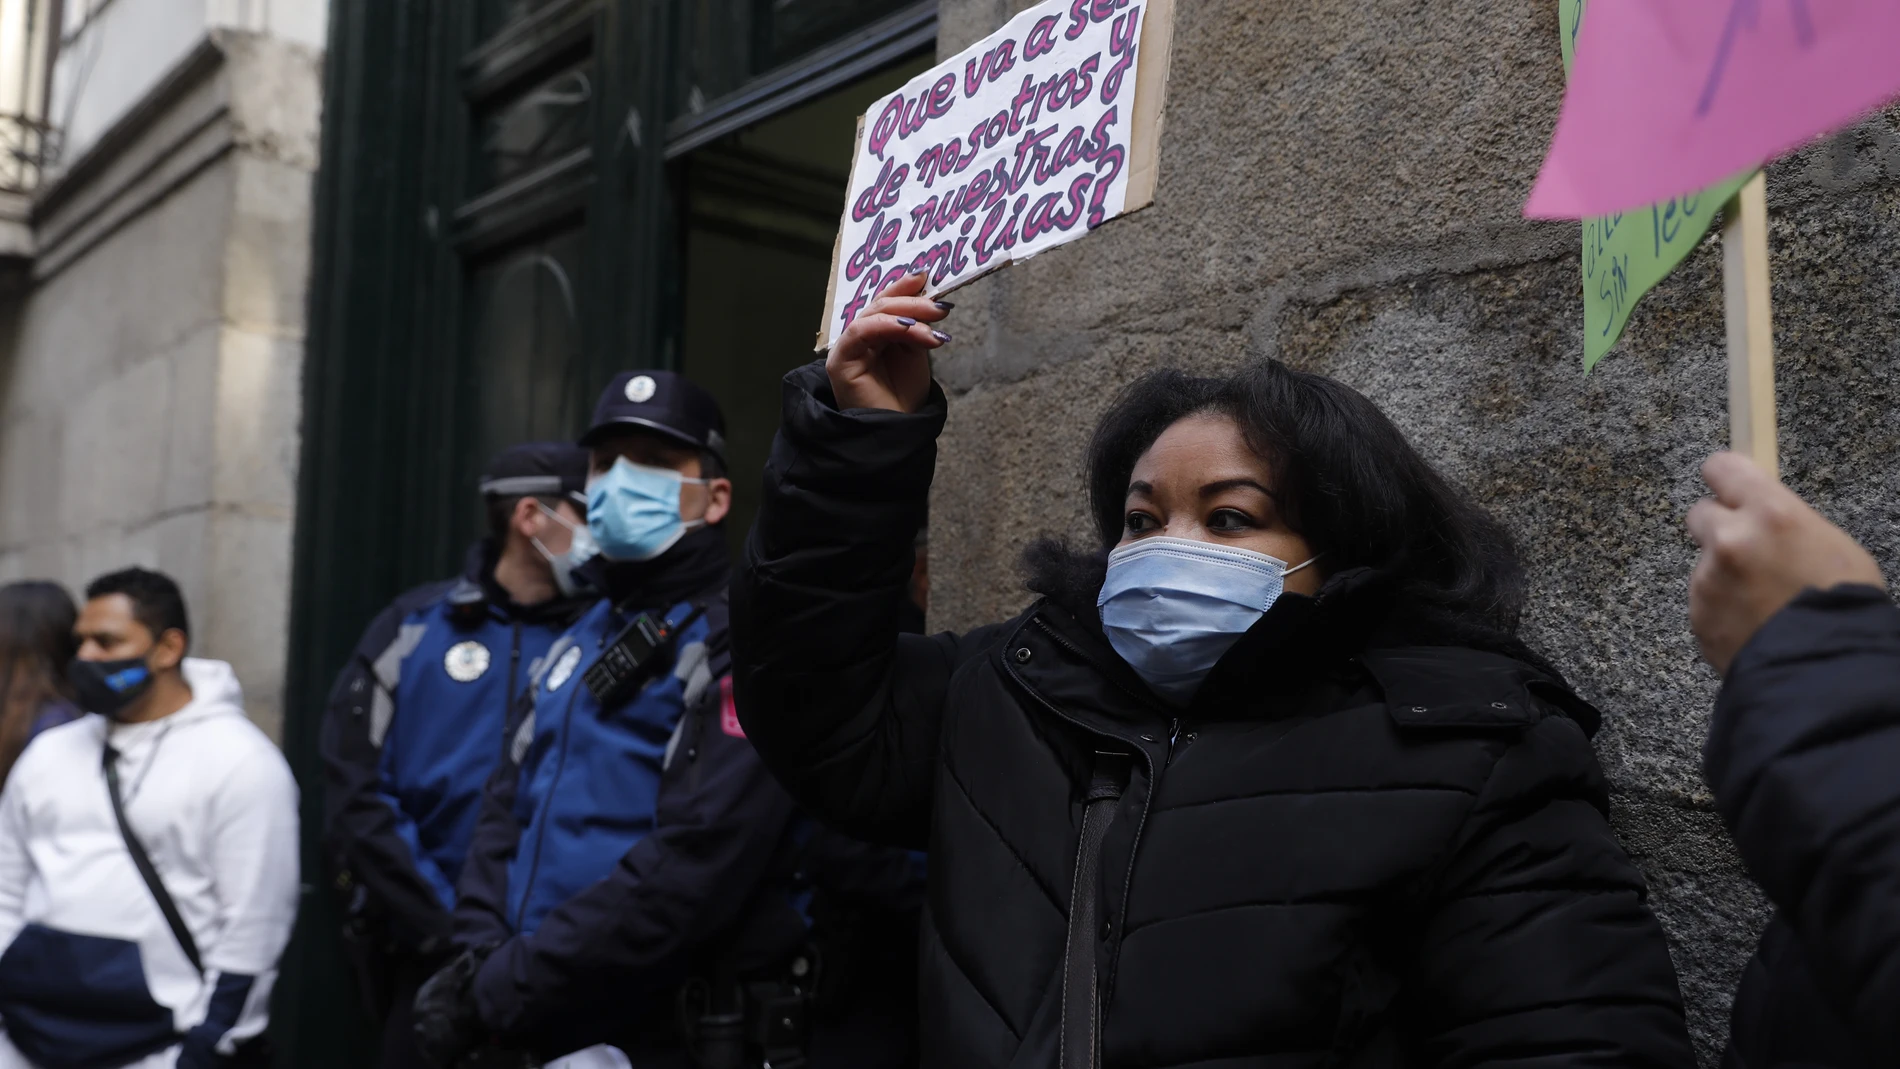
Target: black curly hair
x,y
1345,478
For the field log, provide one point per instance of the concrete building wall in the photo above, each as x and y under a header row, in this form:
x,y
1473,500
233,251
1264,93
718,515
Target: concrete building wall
x,y
1340,188
151,360
114,54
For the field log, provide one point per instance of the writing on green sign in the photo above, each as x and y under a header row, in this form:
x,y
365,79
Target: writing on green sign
x,y
1626,255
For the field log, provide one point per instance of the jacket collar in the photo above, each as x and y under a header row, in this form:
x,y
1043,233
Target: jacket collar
x,y
477,595
1301,640
696,566
1064,659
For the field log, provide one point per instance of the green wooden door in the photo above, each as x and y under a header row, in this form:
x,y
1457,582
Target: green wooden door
x,y
491,242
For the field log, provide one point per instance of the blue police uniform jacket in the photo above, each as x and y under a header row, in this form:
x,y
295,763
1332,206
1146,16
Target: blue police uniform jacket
x,y
625,849
414,730
620,849
589,782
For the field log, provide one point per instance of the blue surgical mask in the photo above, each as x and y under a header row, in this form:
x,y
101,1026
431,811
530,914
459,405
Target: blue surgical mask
x,y
634,511
1172,607
581,548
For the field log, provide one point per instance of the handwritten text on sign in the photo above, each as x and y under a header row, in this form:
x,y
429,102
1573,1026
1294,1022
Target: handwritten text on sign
x,y
1626,254
1014,146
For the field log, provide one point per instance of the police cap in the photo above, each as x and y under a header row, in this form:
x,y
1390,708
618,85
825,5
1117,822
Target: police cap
x,y
540,469
665,402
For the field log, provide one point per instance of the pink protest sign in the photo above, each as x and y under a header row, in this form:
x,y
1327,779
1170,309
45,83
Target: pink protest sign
x,y
1670,96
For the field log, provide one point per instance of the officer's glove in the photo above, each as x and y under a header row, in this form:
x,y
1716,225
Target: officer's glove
x,y
448,1026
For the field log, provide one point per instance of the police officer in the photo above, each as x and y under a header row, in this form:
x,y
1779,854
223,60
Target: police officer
x,y
416,718
638,879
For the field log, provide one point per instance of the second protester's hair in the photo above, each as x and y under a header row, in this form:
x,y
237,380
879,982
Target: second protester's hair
x,y
1345,478
36,636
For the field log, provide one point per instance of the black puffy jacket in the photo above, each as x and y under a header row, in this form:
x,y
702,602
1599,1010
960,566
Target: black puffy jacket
x,y
1804,759
1355,848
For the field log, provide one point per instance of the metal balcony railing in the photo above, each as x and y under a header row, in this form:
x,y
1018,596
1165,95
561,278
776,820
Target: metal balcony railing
x,y
28,149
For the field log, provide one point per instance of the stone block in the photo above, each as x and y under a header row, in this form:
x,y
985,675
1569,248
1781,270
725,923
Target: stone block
x,y
30,471
172,544
112,457
268,256
276,88
157,280
191,446
259,399
1710,911
1298,136
246,608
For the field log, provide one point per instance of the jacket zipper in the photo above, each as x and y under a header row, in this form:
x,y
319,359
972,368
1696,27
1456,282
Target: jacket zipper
x,y
514,662
560,766
1141,823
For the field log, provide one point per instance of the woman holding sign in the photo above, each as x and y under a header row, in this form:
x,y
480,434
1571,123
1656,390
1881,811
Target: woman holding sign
x,y
1263,778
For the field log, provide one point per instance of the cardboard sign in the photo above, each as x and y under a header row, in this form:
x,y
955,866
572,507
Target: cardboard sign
x,y
1670,96
1026,140
1626,254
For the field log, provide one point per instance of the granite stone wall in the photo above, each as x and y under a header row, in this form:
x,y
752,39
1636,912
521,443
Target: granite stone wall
x,y
1340,189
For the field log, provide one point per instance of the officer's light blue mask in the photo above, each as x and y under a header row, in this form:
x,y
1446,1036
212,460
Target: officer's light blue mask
x,y
581,548
1172,607
634,511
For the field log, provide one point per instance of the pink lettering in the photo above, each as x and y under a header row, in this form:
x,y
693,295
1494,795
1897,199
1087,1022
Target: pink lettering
x,y
1042,37
1121,42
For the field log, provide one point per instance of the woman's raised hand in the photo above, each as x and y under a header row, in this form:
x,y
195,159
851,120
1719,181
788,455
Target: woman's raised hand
x,y
882,360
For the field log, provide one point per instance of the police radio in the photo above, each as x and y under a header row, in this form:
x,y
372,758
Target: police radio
x,y
632,657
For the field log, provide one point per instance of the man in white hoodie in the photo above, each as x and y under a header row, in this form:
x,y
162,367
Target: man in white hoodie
x,y
148,856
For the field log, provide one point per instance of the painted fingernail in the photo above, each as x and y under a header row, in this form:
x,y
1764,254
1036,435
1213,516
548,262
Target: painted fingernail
x,y
944,306
940,336
907,321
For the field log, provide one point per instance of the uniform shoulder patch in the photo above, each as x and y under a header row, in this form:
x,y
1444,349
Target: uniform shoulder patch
x,y
729,710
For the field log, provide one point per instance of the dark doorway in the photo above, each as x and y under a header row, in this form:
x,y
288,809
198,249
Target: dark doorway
x,y
761,214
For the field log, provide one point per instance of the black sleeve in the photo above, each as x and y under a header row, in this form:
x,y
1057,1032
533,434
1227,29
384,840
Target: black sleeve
x,y
481,895
1804,759
1535,946
718,823
844,709
363,831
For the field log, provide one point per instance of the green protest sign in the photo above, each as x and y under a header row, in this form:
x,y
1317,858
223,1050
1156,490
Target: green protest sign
x,y
1626,255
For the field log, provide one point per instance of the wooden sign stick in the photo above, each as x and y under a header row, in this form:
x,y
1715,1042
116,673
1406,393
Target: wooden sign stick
x,y
1751,326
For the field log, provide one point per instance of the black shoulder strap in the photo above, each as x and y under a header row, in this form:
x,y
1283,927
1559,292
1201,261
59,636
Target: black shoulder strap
x,y
1080,1035
144,863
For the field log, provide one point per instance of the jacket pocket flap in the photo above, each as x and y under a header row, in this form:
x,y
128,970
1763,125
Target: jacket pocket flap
x,y
1449,688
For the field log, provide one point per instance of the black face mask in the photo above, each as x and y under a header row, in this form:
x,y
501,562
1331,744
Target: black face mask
x,y
107,687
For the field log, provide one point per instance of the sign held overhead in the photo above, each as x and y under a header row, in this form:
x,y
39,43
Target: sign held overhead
x,y
1026,140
